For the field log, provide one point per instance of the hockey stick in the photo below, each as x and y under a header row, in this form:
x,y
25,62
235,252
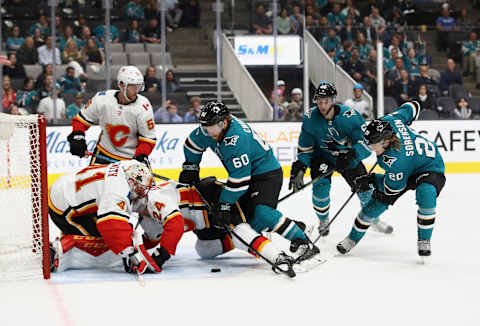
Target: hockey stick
x,y
322,231
330,170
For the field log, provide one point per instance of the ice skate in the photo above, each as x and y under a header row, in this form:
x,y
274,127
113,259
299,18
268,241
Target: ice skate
x,y
346,245
284,264
55,253
304,249
382,227
424,248
322,227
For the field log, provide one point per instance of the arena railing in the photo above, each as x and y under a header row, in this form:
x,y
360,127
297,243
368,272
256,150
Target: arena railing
x,y
250,97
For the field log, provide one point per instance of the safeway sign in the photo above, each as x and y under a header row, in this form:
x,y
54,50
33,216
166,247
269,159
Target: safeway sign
x,y
255,50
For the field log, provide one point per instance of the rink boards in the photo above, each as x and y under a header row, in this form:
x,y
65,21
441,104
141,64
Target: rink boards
x,y
458,142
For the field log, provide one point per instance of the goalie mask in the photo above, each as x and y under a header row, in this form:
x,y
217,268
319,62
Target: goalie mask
x,y
139,178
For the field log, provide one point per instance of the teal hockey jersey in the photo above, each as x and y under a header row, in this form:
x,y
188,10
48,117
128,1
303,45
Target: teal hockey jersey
x,y
243,153
328,138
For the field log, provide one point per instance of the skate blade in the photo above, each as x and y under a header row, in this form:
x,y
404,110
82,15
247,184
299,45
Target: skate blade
x,y
309,265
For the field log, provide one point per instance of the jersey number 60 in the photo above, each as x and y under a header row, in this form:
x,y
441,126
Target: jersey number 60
x,y
238,162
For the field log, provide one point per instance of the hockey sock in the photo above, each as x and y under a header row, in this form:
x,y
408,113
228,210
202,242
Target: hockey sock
x,y
321,206
360,226
426,196
364,197
269,219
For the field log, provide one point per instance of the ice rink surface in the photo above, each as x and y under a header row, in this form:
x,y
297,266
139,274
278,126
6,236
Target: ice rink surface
x,y
379,283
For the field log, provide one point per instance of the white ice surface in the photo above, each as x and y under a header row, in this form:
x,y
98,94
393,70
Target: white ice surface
x,y
379,283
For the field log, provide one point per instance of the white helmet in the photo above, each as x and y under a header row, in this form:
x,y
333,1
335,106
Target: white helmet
x,y
130,75
139,178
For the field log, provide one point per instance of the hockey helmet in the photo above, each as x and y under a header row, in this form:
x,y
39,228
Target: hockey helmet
x,y
212,113
325,89
139,178
130,75
377,130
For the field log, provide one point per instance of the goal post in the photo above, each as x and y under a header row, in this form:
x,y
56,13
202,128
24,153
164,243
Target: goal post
x,y
24,238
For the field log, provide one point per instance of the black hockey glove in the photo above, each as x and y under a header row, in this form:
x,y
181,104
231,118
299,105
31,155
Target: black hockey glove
x,y
160,255
138,260
296,175
363,183
78,145
344,160
142,158
189,174
221,215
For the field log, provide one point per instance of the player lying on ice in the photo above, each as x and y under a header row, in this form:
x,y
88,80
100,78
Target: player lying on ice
x,y
92,209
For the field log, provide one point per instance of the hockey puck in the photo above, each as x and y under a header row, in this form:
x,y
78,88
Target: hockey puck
x,y
215,270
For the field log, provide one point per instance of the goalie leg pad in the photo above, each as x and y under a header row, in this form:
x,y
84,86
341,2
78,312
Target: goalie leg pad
x,y
258,242
207,249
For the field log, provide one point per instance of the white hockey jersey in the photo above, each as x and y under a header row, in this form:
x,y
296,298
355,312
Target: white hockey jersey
x,y
99,189
123,126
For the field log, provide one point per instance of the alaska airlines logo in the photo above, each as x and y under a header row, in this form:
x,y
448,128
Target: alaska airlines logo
x,y
231,141
388,160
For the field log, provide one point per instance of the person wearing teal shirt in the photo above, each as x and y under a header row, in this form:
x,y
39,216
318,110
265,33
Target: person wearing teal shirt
x,y
75,107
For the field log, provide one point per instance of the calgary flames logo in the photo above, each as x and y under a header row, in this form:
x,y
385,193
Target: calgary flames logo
x,y
118,134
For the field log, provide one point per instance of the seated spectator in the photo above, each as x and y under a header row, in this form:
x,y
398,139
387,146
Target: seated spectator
x,y
59,27
46,107
292,113
470,51
354,67
174,14
75,107
101,32
296,19
42,25
261,24
27,97
15,41
281,87
345,52
463,110
284,26
424,77
357,103
412,62
27,54
133,32
426,99
368,30
394,75
14,69
378,22
334,17
395,45
38,39
151,10
332,54
67,36
169,114
151,33
191,13
46,53
78,26
312,26
69,83
445,25
47,71
404,88
93,56
350,11
134,10
332,41
71,52
348,32
8,95
371,72
152,83
86,35
193,112
449,77
172,84
45,88
297,97
362,46
310,11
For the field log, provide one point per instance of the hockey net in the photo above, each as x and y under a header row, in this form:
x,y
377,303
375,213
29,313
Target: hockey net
x,y
24,245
